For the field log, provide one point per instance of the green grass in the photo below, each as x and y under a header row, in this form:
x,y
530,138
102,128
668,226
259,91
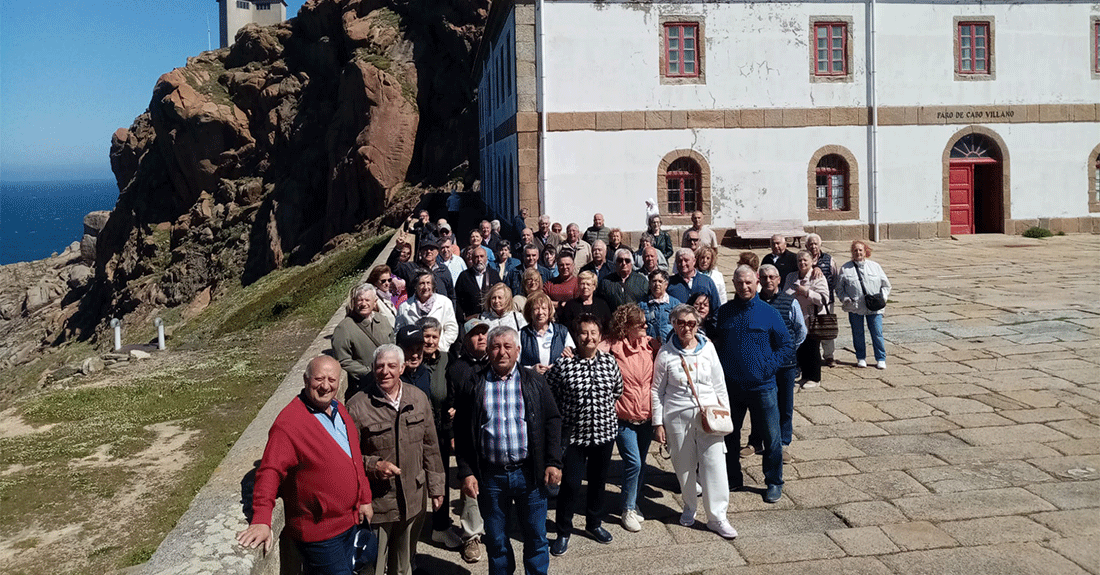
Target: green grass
x,y
227,362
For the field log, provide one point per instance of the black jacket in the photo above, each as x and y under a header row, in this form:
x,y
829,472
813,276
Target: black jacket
x,y
543,424
468,292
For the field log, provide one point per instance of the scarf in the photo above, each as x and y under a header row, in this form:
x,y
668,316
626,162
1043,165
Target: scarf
x,y
424,308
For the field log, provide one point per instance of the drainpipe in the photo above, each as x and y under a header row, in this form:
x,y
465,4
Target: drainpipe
x,y
116,325
872,100
540,104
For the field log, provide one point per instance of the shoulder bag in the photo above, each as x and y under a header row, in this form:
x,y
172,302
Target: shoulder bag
x,y
875,301
716,419
823,326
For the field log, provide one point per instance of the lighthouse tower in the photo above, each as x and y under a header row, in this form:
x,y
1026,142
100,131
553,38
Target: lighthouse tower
x,y
234,14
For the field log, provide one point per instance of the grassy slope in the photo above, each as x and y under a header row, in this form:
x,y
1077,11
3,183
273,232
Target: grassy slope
x,y
220,370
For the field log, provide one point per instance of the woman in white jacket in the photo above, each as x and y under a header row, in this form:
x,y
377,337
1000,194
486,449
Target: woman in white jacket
x,y
850,291
677,423
425,302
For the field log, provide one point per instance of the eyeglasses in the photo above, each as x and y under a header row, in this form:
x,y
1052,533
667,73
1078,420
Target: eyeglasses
x,y
623,260
691,324
383,280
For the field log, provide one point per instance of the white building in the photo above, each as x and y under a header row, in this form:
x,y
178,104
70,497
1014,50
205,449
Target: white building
x,y
234,14
880,119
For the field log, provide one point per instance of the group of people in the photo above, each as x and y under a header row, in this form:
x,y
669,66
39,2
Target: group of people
x,y
531,375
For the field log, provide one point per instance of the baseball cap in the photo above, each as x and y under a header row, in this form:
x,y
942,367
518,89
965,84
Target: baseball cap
x,y
409,336
475,323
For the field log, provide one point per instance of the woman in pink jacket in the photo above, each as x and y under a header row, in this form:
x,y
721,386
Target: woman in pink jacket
x,y
811,290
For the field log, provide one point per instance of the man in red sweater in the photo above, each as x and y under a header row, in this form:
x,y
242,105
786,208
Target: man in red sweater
x,y
313,461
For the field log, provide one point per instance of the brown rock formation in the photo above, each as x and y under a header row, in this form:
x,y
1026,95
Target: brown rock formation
x,y
254,157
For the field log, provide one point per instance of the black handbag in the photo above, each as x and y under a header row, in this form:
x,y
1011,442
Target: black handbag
x,y
823,326
364,547
873,301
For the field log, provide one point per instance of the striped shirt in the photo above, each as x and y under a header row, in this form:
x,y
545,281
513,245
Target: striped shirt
x,y
504,434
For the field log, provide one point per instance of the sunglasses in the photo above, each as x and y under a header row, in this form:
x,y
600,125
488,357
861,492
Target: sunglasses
x,y
623,260
691,324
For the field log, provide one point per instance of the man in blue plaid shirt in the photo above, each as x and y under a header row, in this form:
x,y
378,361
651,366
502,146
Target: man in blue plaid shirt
x,y
507,433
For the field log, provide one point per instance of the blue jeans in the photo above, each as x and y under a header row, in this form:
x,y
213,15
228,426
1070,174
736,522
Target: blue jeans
x,y
328,557
874,325
763,407
498,490
784,394
633,441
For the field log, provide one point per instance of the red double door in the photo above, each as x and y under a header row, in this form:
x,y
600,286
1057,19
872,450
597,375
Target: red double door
x,y
960,189
973,188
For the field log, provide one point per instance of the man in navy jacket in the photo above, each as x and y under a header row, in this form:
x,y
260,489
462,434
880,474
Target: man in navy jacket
x,y
753,342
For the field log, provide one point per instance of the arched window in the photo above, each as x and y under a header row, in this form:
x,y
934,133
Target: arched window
x,y
684,186
832,183
972,147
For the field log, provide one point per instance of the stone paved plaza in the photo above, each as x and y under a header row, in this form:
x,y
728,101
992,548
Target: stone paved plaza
x,y
977,451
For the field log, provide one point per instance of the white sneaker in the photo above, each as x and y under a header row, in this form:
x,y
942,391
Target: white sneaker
x,y
810,384
881,365
687,518
631,521
861,363
447,537
723,528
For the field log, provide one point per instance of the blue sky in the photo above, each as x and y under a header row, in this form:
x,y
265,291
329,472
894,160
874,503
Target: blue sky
x,y
74,71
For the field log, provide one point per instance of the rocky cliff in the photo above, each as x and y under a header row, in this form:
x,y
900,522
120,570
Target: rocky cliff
x,y
259,156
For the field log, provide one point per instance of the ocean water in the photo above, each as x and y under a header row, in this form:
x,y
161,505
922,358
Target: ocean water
x,y
39,218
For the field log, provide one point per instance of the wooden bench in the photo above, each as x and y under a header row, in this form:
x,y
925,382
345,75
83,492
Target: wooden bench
x,y
749,230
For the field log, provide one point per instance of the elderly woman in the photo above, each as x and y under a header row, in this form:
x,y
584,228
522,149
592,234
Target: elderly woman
x,y
542,342
389,295
706,261
401,457
585,387
858,278
688,360
504,263
658,238
500,309
811,291
657,305
585,302
615,241
708,316
634,350
530,283
359,334
827,265
424,302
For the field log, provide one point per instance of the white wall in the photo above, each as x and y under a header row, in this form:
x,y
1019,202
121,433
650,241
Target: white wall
x,y
1041,54
755,174
757,55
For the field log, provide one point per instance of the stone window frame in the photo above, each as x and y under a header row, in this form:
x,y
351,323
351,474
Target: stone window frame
x,y
853,211
849,23
991,49
1094,33
1093,167
700,50
668,219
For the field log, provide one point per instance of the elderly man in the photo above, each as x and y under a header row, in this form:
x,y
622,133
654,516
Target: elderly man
x,y
706,236
563,287
691,240
472,284
783,259
545,235
647,263
313,455
447,258
530,260
597,231
582,250
489,238
624,285
427,260
753,342
401,456
526,238
599,264
508,450
359,334
791,312
688,280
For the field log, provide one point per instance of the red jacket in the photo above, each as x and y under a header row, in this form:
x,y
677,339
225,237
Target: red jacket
x,y
322,488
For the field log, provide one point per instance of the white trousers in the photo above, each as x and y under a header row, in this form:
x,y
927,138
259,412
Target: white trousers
x,y
693,449
827,348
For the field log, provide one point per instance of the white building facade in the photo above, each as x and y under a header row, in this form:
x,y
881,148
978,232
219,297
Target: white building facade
x,y
234,14
885,119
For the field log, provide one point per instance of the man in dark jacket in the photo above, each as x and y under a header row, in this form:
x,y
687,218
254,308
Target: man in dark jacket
x,y
624,285
753,342
783,259
426,260
503,464
473,283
